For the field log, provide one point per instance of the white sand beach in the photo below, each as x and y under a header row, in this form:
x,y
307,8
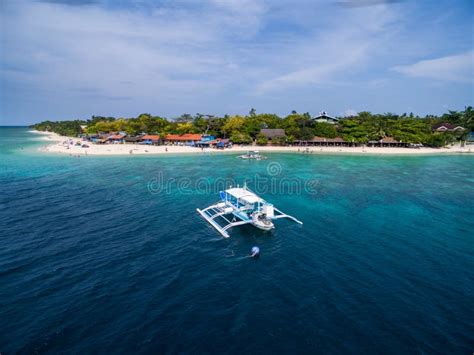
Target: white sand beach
x,y
58,146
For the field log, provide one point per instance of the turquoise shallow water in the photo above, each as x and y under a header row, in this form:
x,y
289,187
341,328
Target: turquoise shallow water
x,y
92,261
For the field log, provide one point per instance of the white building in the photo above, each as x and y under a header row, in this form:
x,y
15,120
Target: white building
x,y
324,117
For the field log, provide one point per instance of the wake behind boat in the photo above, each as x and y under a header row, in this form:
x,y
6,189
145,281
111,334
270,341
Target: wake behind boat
x,y
244,207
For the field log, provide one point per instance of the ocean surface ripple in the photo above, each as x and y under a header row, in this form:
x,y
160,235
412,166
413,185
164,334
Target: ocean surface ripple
x,y
92,262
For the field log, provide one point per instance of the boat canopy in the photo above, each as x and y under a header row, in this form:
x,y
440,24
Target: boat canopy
x,y
244,195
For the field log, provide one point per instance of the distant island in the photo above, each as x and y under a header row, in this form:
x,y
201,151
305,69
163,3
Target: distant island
x,y
364,128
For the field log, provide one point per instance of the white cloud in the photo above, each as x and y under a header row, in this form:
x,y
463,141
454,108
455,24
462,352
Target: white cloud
x,y
67,47
170,57
456,68
333,54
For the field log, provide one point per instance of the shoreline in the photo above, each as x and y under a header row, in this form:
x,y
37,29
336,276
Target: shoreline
x,y
57,146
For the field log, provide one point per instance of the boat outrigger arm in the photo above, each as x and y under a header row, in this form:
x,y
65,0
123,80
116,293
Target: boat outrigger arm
x,y
239,206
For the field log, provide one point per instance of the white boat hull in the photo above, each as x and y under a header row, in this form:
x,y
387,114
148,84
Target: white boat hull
x,y
263,227
263,224
252,155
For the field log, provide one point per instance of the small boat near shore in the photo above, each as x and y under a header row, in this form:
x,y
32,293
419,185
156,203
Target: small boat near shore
x,y
253,154
239,206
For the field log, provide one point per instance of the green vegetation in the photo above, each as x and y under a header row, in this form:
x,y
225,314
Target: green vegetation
x,y
64,128
361,128
261,139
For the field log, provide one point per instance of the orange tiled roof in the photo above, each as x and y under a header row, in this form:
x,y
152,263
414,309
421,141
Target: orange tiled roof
x,y
151,137
116,136
192,136
184,137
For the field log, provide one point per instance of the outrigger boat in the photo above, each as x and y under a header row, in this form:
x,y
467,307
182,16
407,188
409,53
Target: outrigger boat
x,y
252,154
239,206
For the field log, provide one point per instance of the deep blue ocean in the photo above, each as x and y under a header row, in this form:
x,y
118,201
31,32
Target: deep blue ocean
x,y
108,254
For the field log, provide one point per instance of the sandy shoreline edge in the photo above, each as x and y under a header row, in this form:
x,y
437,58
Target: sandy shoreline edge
x,y
57,146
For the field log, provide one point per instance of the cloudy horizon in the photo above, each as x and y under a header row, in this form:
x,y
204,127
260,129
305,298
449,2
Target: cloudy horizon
x,y
66,59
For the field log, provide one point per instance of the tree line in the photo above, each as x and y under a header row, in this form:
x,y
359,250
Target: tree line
x,y
360,128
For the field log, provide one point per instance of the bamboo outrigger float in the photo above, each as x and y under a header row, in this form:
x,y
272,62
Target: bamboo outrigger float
x,y
243,207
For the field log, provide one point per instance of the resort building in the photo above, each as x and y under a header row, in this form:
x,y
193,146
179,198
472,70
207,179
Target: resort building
x,y
272,133
323,141
150,139
219,143
98,139
206,138
340,142
206,141
387,142
117,138
133,139
183,139
324,117
447,127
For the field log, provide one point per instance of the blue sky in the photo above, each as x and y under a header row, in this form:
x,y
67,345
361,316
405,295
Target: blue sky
x,y
66,59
